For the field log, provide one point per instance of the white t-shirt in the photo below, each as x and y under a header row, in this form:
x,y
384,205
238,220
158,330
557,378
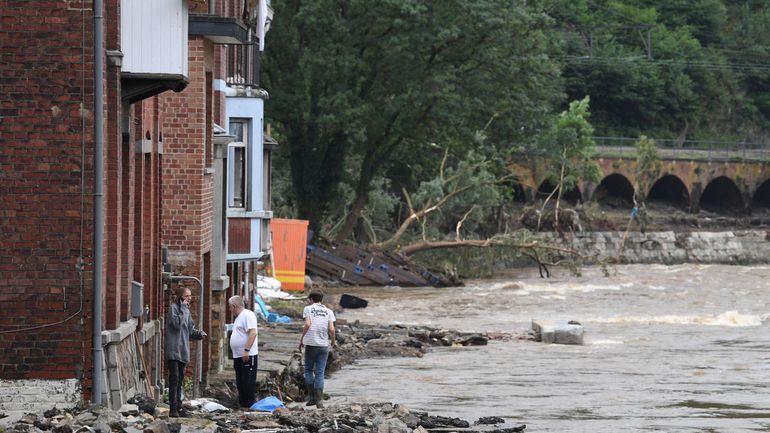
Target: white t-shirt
x,y
320,317
245,321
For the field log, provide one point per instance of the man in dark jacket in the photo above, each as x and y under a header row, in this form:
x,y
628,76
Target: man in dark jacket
x,y
180,329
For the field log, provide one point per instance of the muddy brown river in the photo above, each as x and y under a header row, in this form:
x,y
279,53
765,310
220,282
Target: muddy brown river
x,y
668,349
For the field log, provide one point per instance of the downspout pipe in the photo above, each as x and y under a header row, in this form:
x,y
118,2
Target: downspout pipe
x,y
98,374
246,283
199,352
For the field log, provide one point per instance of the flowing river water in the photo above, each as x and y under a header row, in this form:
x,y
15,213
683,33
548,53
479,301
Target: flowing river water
x,y
667,349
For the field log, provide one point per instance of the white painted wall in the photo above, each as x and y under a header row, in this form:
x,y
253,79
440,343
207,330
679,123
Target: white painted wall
x,y
153,36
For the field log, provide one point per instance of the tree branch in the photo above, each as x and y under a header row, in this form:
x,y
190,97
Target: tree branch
x,y
483,243
460,223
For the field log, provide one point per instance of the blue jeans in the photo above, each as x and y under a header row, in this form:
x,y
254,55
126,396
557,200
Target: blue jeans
x,y
315,359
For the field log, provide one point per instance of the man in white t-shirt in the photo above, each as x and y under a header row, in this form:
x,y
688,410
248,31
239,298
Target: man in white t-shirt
x,y
318,335
243,343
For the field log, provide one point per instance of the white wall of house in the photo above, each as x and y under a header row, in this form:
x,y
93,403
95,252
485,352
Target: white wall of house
x,y
154,36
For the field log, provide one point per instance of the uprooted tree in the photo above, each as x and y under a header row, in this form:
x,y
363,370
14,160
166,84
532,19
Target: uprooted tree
x,y
457,198
648,168
568,148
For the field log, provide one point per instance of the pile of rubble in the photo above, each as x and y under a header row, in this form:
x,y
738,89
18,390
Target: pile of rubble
x,y
147,417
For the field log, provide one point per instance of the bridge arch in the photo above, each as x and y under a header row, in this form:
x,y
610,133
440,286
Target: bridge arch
x,y
670,189
572,196
615,190
721,195
761,197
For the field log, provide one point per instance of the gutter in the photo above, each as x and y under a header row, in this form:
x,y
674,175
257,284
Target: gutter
x,y
98,373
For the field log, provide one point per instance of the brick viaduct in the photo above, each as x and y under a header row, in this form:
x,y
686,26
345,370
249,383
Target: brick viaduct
x,y
734,186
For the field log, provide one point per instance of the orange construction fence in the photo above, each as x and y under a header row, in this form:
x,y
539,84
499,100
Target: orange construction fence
x,y
289,252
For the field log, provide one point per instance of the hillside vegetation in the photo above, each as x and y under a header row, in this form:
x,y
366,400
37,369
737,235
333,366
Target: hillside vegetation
x,y
398,121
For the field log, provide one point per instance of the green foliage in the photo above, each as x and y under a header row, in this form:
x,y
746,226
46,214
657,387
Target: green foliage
x,y
382,80
366,96
479,193
669,68
648,166
570,147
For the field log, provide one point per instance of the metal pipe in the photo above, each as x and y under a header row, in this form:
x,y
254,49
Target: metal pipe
x,y
98,385
212,7
199,352
246,284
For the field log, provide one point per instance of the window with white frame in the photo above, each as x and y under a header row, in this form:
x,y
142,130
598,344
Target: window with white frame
x,y
237,162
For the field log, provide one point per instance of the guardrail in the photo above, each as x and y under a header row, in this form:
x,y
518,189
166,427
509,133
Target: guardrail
x,y
625,147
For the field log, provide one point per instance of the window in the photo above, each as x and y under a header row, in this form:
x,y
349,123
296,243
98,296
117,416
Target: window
x,y
237,163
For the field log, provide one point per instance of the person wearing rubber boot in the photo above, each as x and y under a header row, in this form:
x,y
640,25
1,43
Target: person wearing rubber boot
x,y
180,329
318,336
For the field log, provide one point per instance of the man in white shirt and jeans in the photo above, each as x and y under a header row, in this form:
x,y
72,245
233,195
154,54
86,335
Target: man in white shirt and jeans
x,y
243,343
317,335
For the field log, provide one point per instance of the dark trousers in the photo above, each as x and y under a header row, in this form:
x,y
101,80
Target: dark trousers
x,y
175,377
246,380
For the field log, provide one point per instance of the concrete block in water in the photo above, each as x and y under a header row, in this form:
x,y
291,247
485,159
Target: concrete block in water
x,y
558,332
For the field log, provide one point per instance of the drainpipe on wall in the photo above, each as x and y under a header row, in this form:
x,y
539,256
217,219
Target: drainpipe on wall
x,y
97,384
246,284
199,352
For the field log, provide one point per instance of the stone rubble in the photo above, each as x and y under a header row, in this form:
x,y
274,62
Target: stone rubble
x,y
351,418
141,414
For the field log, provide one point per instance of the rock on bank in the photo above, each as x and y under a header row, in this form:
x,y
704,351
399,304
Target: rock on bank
x,y
743,247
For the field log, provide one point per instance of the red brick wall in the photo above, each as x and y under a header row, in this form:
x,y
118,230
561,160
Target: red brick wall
x,y
46,191
187,192
45,220
187,189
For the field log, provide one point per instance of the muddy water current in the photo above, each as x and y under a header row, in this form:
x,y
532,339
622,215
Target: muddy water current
x,y
667,349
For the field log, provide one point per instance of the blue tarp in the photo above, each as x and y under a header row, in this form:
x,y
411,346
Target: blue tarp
x,y
267,404
268,316
262,307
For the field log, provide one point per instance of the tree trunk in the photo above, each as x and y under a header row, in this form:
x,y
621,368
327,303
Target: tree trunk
x,y
558,199
481,243
352,218
365,177
316,169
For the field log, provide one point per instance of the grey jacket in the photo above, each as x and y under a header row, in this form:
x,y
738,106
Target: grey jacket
x,y
180,329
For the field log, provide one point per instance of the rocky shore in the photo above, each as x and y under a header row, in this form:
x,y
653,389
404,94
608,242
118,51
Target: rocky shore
x,y
280,374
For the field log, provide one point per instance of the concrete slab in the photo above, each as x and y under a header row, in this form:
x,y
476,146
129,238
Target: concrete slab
x,y
558,331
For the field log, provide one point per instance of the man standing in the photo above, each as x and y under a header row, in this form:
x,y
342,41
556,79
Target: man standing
x,y
317,335
243,343
180,329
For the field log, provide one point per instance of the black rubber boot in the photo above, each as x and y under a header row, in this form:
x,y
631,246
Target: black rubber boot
x,y
319,398
310,391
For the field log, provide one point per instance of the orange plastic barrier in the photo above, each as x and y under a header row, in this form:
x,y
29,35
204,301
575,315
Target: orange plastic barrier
x,y
289,252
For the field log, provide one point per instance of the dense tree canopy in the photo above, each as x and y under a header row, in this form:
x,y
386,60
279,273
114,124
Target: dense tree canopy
x,y
684,69
366,96
379,84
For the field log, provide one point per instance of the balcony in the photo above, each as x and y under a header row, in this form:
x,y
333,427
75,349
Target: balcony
x,y
154,47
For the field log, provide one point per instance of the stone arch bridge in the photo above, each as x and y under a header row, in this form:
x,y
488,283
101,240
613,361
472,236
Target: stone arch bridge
x,y
690,183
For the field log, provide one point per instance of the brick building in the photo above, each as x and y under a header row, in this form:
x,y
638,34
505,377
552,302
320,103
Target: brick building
x,y
216,212
47,190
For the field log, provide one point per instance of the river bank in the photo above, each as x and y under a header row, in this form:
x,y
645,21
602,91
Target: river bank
x,y
280,374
